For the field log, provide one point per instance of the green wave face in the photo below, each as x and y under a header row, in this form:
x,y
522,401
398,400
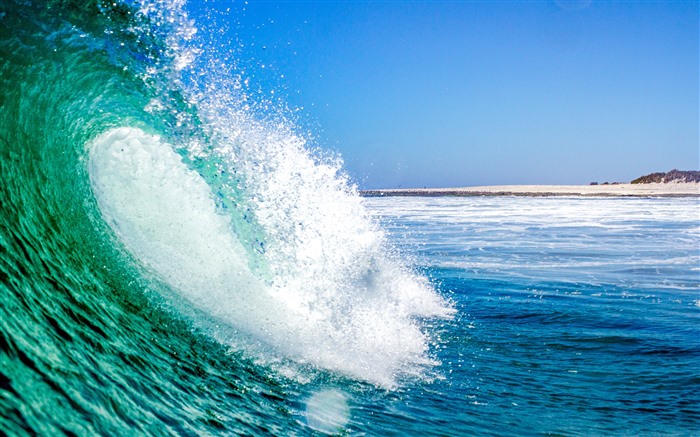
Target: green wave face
x,y
86,345
163,262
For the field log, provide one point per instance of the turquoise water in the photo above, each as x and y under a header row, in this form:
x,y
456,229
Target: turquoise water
x,y
175,260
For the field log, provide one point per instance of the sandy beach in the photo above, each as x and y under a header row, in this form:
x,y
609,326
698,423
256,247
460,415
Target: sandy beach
x,y
622,190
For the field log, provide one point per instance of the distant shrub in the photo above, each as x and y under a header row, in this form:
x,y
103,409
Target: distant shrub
x,y
671,176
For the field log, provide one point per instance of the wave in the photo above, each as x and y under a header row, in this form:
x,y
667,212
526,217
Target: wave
x,y
135,172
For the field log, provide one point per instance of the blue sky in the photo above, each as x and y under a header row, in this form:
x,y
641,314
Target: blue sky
x,y
450,93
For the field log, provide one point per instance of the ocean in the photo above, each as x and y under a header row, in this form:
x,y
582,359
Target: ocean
x,y
575,315
178,258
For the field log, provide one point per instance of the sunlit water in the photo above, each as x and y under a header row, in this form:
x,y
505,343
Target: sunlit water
x,y
175,260
576,316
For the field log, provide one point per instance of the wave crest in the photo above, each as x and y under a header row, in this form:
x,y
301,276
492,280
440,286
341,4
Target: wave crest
x,y
331,297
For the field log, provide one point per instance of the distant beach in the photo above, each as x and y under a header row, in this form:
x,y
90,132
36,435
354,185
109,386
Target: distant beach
x,y
673,189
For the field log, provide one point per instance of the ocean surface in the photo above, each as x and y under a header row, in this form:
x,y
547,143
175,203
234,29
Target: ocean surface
x,y
177,258
575,316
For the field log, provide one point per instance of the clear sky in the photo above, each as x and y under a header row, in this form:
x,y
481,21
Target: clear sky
x,y
457,93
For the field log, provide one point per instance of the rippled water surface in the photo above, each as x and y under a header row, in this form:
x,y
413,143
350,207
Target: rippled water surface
x,y
575,315
175,260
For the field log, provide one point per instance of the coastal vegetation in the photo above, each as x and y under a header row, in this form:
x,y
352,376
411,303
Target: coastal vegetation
x,y
671,176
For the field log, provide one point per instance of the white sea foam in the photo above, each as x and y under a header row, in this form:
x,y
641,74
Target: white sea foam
x,y
164,214
334,297
324,290
574,240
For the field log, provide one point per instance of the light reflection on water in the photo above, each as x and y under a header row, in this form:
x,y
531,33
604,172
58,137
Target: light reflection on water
x,y
575,315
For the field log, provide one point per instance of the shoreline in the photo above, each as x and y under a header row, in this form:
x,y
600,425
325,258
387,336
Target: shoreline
x,y
672,189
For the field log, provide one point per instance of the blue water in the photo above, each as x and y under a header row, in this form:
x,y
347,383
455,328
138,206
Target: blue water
x,y
177,259
576,316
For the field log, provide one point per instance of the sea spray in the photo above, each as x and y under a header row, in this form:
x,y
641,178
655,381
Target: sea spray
x,y
317,282
589,323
